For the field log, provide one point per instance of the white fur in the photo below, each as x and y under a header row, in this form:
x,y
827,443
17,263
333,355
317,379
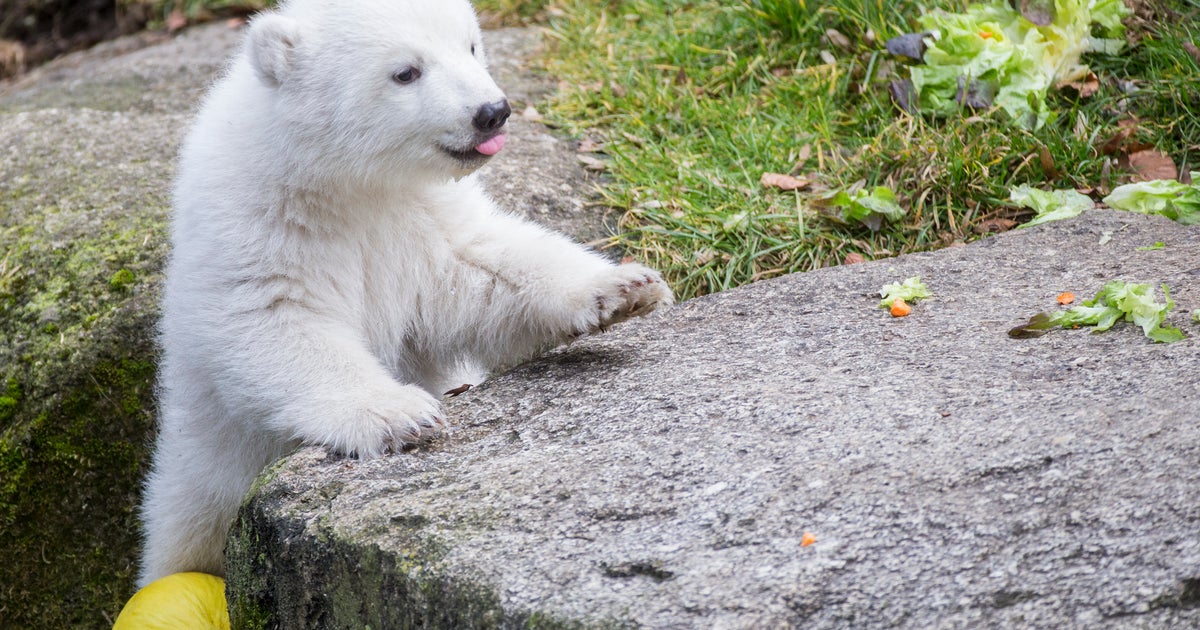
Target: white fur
x,y
334,269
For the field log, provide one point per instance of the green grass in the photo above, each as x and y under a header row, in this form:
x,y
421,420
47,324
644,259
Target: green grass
x,y
160,9
498,13
692,102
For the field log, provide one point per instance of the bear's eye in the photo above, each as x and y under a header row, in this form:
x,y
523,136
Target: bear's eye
x,y
472,50
407,75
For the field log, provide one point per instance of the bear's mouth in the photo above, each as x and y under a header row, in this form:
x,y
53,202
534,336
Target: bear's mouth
x,y
480,151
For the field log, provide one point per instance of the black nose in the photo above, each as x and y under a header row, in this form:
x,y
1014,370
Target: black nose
x,y
491,116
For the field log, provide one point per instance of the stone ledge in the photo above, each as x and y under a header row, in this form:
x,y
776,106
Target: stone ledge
x,y
664,474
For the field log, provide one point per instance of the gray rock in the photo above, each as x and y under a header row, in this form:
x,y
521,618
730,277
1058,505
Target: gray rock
x,y
664,474
144,73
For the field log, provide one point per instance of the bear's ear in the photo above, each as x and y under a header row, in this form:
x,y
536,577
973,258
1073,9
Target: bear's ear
x,y
272,46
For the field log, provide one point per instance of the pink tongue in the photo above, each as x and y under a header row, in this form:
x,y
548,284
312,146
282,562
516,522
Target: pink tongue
x,y
491,147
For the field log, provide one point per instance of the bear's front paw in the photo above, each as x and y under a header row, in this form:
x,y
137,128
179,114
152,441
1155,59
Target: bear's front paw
x,y
386,420
629,290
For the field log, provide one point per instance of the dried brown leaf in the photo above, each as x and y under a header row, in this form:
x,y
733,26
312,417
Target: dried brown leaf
x,y
804,153
1085,86
1119,141
904,94
911,45
783,182
1192,50
1114,144
853,258
637,141
592,163
175,21
994,225
975,94
836,38
588,145
1047,162
1152,164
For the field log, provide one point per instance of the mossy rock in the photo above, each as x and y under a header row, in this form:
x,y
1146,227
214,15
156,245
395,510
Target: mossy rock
x,y
84,189
83,247
288,572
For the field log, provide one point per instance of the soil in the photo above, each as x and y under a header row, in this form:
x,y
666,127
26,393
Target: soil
x,y
35,31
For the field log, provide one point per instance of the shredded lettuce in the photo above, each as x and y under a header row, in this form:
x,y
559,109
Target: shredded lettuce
x,y
1050,205
911,290
993,55
869,207
1166,197
1117,301
1172,199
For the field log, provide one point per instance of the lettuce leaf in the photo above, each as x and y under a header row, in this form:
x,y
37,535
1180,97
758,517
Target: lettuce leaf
x,y
1167,197
1117,301
869,207
911,290
1016,60
1050,205
1172,199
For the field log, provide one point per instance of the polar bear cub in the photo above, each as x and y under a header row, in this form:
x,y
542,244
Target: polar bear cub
x,y
335,265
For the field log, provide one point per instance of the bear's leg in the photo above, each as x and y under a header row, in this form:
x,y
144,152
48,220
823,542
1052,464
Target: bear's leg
x,y
535,288
200,474
292,371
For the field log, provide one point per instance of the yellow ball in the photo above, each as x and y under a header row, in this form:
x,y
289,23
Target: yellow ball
x,y
181,600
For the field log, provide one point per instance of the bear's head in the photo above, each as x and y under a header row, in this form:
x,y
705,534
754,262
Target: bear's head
x,y
392,89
